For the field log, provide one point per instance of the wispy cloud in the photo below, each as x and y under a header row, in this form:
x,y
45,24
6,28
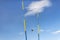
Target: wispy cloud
x,y
56,32
42,30
21,33
50,31
37,7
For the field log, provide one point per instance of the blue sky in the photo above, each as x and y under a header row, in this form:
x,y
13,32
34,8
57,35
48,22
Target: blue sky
x,y
12,17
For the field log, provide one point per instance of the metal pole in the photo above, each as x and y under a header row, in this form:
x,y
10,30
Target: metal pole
x,y
25,29
24,21
23,4
26,35
38,26
38,37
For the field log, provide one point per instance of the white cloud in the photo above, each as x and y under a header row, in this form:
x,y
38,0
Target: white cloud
x,y
42,30
21,33
37,7
56,32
